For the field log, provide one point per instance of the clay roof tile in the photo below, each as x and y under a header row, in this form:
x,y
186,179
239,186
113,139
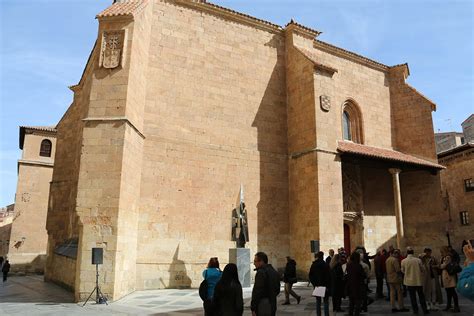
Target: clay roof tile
x,y
385,154
123,8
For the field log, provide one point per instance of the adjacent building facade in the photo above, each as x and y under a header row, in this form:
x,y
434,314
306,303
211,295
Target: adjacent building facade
x,y
6,219
28,237
448,140
182,101
468,129
458,190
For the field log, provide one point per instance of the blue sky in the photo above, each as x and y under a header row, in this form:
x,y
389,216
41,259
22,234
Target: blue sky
x,y
44,45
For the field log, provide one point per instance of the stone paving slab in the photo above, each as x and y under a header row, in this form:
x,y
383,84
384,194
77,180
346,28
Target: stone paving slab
x,y
29,295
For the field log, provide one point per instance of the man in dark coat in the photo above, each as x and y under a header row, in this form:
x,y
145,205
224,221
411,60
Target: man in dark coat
x,y
289,278
320,275
266,287
356,285
380,272
5,270
329,258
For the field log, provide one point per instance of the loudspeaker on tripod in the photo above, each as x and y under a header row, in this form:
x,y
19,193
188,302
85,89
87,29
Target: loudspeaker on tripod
x,y
97,255
97,258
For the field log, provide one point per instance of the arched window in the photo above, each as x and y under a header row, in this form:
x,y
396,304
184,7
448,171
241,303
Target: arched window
x,y
346,126
352,122
45,149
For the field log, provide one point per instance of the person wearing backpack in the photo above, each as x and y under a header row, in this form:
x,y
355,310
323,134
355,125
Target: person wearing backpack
x,y
266,287
228,299
211,276
449,278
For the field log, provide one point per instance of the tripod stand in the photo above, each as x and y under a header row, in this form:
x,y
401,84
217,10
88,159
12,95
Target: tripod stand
x,y
99,297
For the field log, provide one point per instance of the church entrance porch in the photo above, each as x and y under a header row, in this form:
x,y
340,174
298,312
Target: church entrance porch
x,y
384,200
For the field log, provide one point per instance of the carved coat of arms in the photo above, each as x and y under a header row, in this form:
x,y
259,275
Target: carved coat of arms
x,y
112,48
325,103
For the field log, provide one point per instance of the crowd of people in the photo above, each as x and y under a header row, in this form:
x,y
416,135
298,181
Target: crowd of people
x,y
222,292
342,276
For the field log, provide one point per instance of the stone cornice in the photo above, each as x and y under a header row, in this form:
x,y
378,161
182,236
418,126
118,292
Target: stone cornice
x,y
313,59
299,154
122,119
229,14
349,55
35,163
403,67
302,30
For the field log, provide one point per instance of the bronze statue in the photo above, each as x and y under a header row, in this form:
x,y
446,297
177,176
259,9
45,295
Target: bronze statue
x,y
240,230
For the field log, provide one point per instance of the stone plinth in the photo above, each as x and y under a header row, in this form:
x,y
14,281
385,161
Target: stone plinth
x,y
241,257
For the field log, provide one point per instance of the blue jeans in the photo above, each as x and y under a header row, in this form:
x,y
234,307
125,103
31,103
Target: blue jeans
x,y
326,305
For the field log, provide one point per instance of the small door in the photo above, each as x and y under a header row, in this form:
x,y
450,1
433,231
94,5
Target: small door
x,y
347,239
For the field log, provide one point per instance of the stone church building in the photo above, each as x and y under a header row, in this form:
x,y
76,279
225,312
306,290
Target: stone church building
x,y
24,237
183,101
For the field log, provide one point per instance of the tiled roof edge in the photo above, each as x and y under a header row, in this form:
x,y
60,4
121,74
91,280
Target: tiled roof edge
x,y
350,55
415,160
123,9
312,33
229,13
41,128
456,149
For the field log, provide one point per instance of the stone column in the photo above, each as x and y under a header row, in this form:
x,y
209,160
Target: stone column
x,y
398,204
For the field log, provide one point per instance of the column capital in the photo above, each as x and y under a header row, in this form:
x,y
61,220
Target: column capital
x,y
395,170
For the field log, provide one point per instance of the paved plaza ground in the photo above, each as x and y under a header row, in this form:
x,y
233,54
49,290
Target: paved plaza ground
x,y
29,295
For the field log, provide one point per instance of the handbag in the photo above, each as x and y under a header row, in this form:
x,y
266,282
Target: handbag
x,y
203,288
453,268
292,280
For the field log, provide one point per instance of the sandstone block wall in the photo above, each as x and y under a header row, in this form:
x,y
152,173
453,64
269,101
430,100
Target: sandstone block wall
x,y
412,124
6,220
215,118
62,220
303,181
28,237
422,210
459,167
380,228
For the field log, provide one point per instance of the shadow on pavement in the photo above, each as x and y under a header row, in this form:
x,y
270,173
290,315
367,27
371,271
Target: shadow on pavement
x,y
32,289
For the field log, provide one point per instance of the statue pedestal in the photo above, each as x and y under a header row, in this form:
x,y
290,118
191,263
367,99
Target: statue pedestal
x,y
241,258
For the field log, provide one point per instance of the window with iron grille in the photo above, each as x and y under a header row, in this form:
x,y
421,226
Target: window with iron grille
x,y
45,149
464,218
469,185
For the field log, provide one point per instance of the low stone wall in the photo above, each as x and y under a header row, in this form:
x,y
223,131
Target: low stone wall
x,y
25,263
62,272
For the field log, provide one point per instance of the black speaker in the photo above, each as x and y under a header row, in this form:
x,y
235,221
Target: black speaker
x,y
97,255
314,246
